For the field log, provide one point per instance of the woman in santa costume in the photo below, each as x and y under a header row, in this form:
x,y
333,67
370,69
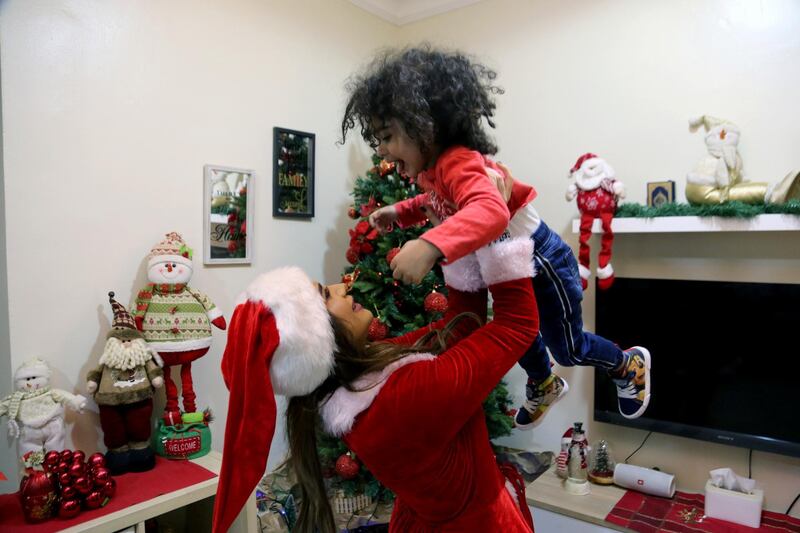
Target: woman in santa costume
x,y
409,408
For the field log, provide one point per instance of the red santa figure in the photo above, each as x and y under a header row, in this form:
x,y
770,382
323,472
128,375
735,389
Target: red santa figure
x,y
175,318
597,192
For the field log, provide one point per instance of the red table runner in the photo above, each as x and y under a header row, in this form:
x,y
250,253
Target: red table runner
x,y
684,513
132,488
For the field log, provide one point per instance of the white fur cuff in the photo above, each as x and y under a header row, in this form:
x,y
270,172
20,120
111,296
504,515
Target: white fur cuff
x,y
605,272
506,260
584,272
464,274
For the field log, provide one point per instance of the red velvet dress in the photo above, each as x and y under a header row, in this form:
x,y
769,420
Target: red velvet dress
x,y
423,434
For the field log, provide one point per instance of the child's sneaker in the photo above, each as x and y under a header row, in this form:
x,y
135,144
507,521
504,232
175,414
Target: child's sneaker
x,y
540,396
633,387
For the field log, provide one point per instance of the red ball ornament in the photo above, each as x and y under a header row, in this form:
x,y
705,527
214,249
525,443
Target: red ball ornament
x,y
66,456
69,508
347,467
51,459
377,330
69,492
352,213
77,470
83,484
352,256
101,476
63,467
65,480
110,488
94,499
78,456
435,302
38,496
97,460
390,255
232,246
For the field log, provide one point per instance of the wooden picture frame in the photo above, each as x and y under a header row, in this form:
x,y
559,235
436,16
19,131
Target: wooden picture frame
x,y
293,173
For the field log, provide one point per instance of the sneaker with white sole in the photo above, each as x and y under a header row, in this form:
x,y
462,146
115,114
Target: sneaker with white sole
x,y
633,387
540,396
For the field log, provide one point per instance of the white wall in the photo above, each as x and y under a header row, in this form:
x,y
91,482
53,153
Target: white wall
x,y
111,109
621,79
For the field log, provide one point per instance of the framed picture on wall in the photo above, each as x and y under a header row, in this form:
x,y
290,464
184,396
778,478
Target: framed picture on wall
x,y
293,173
227,215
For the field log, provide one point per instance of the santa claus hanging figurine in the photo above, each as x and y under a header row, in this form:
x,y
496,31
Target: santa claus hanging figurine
x,y
175,319
597,192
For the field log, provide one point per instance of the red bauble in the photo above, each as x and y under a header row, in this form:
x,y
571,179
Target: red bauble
x,y
66,456
97,460
435,302
65,480
232,246
352,213
68,492
77,470
101,476
78,456
63,467
51,460
110,488
352,256
83,484
346,467
38,496
377,330
94,499
391,254
69,508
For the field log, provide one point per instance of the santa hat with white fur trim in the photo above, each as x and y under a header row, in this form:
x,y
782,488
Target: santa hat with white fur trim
x,y
581,160
280,342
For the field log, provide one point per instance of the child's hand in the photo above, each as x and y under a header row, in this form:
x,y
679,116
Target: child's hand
x,y
504,184
383,218
415,259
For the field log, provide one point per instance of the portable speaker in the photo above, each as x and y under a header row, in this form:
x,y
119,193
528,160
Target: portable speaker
x,y
644,480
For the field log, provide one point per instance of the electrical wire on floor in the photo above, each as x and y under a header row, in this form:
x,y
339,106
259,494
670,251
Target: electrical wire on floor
x,y
640,446
792,504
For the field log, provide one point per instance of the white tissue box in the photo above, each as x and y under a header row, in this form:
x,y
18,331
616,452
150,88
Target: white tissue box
x,y
734,506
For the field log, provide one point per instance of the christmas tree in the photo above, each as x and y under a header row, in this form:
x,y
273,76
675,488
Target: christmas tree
x,y
398,309
603,465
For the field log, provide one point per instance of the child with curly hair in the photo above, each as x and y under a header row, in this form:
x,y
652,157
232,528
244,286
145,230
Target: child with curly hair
x,y
423,109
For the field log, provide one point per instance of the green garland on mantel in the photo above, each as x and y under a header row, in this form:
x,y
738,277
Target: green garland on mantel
x,y
730,209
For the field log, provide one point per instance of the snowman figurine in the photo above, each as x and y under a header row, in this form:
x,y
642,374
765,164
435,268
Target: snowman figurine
x,y
175,318
36,411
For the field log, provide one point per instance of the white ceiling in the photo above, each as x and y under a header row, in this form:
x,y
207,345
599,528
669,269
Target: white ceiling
x,y
400,12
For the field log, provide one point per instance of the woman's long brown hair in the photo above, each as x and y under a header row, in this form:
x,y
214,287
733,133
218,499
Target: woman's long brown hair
x,y
302,413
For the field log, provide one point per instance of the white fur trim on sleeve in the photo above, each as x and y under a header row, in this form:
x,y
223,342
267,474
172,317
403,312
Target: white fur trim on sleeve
x,y
464,274
304,357
506,260
214,313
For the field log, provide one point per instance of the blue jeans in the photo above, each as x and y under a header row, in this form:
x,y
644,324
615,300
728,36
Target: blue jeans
x,y
557,286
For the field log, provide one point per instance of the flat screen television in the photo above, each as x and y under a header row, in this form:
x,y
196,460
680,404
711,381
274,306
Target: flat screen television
x,y
725,359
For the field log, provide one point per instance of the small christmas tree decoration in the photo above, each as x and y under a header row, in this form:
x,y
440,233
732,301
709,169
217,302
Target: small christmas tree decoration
x,y
390,255
352,213
602,465
436,302
377,330
347,467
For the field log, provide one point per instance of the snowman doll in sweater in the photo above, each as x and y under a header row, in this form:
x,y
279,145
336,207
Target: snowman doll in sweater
x,y
597,192
36,411
175,318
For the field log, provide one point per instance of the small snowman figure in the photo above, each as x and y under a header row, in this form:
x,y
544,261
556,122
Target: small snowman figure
x,y
175,318
597,192
36,411
577,481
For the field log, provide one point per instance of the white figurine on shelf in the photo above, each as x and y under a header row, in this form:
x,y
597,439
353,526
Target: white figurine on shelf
x,y
577,481
35,411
